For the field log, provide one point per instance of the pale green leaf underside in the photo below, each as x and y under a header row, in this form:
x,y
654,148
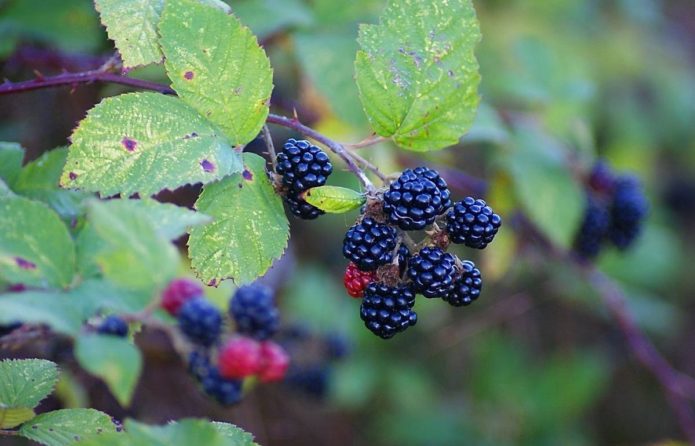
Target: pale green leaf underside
x,y
67,426
132,25
334,199
249,228
113,359
216,65
417,73
25,382
35,245
10,418
146,142
130,251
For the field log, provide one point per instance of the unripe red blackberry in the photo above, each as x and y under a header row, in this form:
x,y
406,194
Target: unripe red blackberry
x,y
274,362
239,357
356,280
179,291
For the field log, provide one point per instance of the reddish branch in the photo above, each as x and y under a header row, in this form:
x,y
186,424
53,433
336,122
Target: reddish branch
x,y
678,387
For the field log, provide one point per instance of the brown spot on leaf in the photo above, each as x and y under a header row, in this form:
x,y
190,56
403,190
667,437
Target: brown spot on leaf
x,y
213,282
188,75
72,176
191,135
24,263
248,176
129,144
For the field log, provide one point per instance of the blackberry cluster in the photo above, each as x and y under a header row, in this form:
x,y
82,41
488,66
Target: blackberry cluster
x,y
472,223
615,211
220,365
416,200
254,312
370,244
302,166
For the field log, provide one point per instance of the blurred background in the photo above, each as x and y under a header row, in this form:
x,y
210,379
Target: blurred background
x,y
537,360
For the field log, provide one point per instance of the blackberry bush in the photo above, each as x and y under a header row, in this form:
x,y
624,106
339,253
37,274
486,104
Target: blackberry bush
x,y
432,272
369,244
253,309
412,202
466,287
473,223
387,310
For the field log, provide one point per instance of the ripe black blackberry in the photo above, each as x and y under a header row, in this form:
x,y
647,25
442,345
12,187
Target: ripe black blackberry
x,y
254,311
311,380
198,364
472,222
386,310
369,244
629,206
301,208
302,165
114,326
225,391
200,321
433,176
432,272
467,287
413,201
593,230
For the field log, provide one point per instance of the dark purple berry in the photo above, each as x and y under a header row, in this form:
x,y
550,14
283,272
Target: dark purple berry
x,y
472,222
200,321
114,326
467,287
225,391
432,272
386,310
369,244
433,176
300,208
254,311
303,165
593,230
413,202
628,209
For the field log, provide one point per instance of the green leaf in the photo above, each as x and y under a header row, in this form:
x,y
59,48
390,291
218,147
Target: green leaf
x,y
40,179
10,418
113,359
35,246
11,156
67,426
25,382
235,433
417,73
145,142
169,220
216,66
266,17
132,25
544,185
334,199
249,229
133,254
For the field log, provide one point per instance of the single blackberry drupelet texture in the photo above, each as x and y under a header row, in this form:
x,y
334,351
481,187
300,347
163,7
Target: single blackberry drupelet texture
x,y
300,208
432,272
369,244
254,311
433,176
593,230
356,280
200,321
303,165
629,206
114,326
413,202
472,222
224,391
386,310
467,287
